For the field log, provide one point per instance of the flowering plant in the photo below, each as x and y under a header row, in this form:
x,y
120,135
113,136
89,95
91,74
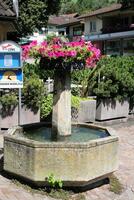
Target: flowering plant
x,y
59,52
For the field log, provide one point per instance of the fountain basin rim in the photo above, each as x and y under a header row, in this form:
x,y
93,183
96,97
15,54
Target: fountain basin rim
x,y
58,144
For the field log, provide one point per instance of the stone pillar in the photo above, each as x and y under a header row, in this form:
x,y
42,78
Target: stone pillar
x,y
61,117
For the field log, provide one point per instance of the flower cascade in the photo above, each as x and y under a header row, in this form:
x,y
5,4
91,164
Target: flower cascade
x,y
68,52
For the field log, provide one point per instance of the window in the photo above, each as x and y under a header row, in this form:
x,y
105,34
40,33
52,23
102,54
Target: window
x,y
113,47
78,30
93,26
128,47
51,27
132,19
126,21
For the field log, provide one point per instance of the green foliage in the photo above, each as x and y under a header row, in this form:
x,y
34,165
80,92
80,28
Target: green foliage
x,y
126,3
47,102
84,6
114,78
76,91
33,92
68,6
53,182
75,101
80,77
8,103
115,185
34,14
32,69
46,105
87,5
8,99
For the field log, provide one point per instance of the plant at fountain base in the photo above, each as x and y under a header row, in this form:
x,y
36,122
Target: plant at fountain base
x,y
53,182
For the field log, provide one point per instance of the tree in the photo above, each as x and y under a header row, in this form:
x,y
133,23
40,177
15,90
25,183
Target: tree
x,y
34,14
68,6
126,3
87,5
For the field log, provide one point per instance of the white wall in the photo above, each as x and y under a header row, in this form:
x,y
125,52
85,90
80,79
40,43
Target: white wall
x,y
98,25
52,30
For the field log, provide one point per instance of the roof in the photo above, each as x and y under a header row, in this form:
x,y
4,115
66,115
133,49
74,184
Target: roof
x,y
63,19
107,9
6,9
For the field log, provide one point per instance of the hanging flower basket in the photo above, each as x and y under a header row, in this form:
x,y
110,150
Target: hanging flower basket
x,y
60,54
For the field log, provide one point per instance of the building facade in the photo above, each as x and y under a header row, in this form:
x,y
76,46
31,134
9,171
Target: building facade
x,y
111,29
7,19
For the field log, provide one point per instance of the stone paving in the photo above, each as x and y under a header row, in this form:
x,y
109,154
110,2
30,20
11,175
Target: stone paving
x,y
9,191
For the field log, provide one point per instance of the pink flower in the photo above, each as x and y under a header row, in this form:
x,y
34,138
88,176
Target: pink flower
x,y
33,43
44,43
56,48
71,53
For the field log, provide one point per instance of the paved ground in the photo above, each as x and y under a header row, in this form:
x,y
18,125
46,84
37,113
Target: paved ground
x,y
9,191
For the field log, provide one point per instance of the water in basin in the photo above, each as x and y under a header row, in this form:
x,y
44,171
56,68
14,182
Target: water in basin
x,y
79,134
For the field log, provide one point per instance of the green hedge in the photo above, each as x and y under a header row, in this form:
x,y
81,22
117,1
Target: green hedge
x,y
114,78
46,105
33,92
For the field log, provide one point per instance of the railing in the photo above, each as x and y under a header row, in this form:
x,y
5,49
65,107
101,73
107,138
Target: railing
x,y
117,28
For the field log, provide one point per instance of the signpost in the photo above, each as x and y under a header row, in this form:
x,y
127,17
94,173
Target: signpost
x,y
11,73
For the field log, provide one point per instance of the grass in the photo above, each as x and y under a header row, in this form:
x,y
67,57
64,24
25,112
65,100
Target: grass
x,y
79,196
54,193
115,185
60,194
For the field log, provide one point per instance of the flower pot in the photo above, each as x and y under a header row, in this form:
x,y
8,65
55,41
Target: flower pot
x,y
11,118
111,109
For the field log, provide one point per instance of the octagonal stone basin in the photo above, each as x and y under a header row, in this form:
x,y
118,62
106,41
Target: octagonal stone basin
x,y
76,163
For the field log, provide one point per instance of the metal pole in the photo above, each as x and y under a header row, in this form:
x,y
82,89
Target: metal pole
x,y
19,108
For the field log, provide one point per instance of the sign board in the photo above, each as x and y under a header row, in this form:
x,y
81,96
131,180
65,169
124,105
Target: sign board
x,y
11,78
10,55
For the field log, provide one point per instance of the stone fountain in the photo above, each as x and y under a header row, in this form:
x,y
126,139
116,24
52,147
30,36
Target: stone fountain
x,y
75,163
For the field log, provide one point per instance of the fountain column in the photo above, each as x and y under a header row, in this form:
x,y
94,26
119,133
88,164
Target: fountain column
x,y
61,116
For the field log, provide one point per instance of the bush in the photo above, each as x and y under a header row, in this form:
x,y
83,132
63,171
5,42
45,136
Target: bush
x,y
34,69
8,103
33,92
114,78
46,105
80,77
47,102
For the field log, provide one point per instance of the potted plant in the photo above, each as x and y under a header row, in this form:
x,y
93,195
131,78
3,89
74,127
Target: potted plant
x,y
113,84
31,99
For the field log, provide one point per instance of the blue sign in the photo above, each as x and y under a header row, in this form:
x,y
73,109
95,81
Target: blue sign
x,y
8,60
11,78
10,55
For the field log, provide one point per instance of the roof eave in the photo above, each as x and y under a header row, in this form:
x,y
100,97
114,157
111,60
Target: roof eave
x,y
99,14
69,24
7,18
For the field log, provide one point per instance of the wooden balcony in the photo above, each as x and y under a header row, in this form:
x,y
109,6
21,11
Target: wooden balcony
x,y
117,28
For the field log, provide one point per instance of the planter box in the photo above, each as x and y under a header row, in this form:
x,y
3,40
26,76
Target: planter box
x,y
111,109
86,111
11,118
